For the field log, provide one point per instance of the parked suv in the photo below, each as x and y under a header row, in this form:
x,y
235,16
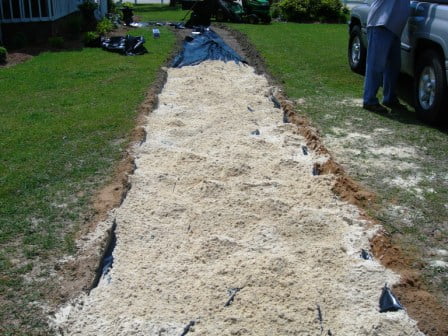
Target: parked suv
x,y
424,53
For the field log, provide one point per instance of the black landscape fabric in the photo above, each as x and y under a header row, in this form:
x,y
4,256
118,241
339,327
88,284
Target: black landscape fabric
x,y
205,46
126,45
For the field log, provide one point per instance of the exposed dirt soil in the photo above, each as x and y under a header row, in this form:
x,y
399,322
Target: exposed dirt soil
x,y
79,272
15,58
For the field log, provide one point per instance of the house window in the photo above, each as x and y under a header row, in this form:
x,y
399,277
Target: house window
x,y
6,8
39,8
23,9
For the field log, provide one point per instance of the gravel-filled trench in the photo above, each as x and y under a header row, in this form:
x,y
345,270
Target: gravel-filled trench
x,y
226,231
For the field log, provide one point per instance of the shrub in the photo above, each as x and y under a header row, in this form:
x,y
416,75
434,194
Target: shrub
x,y
56,42
111,6
87,6
295,10
91,39
275,10
104,26
127,4
312,10
3,54
328,11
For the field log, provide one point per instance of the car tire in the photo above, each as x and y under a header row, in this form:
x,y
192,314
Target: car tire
x,y
430,87
357,52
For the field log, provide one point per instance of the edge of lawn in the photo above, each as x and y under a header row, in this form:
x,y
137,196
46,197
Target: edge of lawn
x,y
75,272
87,262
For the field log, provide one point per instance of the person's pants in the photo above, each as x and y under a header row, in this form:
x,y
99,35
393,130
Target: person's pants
x,y
383,65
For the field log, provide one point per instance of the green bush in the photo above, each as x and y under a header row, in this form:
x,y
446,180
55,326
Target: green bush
x,y
88,5
275,10
87,8
56,42
328,10
91,39
127,4
295,10
3,54
312,10
111,6
104,26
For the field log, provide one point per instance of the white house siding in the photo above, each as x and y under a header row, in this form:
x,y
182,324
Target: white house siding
x,y
14,11
102,9
62,8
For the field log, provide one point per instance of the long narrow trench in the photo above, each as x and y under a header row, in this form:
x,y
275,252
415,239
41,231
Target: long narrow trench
x,y
227,231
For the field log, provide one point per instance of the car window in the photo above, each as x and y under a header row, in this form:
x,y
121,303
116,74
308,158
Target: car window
x,y
444,2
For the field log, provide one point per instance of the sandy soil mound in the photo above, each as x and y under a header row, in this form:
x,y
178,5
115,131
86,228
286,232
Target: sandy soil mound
x,y
226,231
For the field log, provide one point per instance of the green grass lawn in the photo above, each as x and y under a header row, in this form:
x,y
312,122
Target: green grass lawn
x,y
403,160
159,13
65,118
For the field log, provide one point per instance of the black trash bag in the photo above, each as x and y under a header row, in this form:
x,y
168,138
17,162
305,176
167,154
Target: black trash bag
x,y
388,301
205,46
128,45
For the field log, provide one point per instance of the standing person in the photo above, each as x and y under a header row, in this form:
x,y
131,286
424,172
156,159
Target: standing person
x,y
385,24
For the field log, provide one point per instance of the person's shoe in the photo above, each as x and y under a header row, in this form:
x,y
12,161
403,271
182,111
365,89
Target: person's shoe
x,y
377,108
395,105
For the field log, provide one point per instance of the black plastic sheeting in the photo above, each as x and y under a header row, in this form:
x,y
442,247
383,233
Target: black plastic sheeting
x,y
205,46
188,328
232,293
365,255
108,258
126,45
388,301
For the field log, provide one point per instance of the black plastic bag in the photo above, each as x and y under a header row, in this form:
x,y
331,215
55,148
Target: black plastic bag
x,y
126,45
388,301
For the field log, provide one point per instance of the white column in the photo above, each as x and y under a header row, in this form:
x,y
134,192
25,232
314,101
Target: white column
x,y
21,9
31,9
50,9
10,9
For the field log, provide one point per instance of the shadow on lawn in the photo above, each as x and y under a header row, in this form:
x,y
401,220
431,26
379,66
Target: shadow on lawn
x,y
406,115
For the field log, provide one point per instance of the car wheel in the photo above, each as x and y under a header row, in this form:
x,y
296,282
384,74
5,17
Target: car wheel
x,y
356,51
430,87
